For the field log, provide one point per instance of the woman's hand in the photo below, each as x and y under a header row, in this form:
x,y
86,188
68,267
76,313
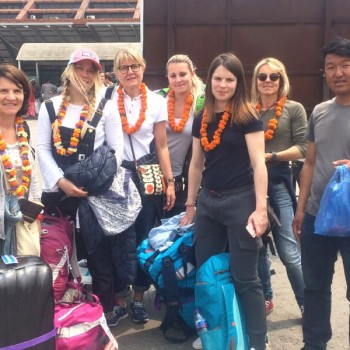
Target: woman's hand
x,y
260,222
189,216
70,189
170,196
297,223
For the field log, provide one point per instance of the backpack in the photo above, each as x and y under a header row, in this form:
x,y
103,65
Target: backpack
x,y
83,326
217,302
56,243
172,270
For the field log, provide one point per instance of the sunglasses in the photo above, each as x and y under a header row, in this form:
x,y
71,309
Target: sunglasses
x,y
125,69
272,77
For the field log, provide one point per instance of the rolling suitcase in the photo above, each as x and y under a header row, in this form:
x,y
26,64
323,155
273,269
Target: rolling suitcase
x,y
27,305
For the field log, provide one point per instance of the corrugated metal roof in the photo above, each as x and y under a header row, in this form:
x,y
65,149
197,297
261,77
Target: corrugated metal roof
x,y
61,52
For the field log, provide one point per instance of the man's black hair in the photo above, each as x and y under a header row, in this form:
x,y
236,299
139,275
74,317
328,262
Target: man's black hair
x,y
339,46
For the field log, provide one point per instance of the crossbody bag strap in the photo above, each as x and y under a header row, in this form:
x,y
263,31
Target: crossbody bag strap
x,y
132,150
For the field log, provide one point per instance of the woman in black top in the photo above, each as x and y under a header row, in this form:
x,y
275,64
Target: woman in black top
x,y
228,162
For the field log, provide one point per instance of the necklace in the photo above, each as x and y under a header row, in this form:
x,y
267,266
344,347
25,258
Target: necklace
x,y
185,113
121,109
273,122
75,138
209,146
11,173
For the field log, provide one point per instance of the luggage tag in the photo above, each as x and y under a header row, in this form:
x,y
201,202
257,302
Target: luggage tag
x,y
9,259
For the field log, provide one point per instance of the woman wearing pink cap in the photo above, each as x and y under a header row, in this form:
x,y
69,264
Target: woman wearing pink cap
x,y
62,142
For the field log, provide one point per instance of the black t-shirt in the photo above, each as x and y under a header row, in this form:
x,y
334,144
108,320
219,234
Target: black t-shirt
x,y
227,166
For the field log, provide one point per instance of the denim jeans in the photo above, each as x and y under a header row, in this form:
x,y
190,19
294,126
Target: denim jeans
x,y
287,248
319,254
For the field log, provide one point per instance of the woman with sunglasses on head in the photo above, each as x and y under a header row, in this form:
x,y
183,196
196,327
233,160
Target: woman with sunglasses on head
x,y
285,125
62,142
185,98
143,114
228,163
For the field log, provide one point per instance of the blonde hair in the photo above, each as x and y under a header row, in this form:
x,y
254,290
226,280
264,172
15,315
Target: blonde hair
x,y
278,66
197,84
128,55
70,77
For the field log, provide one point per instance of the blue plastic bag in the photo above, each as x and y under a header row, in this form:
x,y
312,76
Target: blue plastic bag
x,y
333,218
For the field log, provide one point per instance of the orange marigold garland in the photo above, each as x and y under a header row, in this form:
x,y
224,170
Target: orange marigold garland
x,y
171,111
121,109
273,122
74,140
209,146
11,173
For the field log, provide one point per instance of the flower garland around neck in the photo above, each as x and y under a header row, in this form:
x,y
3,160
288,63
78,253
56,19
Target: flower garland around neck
x,y
121,109
74,140
185,114
209,146
272,125
17,189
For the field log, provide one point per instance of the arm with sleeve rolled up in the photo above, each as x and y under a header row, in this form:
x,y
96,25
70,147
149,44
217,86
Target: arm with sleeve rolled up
x,y
194,181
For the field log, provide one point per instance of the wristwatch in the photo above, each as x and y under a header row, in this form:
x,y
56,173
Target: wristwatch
x,y
170,181
274,156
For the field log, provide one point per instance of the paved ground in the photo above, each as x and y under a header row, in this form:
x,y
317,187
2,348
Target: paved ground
x,y
284,324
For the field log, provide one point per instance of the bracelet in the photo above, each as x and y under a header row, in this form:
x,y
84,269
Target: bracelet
x,y
274,156
192,204
171,180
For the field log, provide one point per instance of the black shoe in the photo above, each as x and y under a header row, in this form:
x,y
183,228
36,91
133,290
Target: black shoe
x,y
139,314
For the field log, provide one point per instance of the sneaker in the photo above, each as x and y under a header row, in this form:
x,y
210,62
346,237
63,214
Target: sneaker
x,y
197,344
268,306
112,319
120,311
139,314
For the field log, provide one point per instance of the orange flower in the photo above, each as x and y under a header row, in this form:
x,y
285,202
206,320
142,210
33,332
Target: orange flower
x,y
75,138
171,111
121,109
273,122
209,146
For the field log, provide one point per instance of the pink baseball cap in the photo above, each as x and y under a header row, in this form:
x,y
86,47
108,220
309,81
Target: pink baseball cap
x,y
85,54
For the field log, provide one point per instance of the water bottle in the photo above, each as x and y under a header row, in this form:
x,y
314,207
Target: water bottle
x,y
200,322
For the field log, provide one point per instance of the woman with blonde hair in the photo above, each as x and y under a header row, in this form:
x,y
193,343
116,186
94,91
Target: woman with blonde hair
x,y
285,125
70,127
185,98
143,115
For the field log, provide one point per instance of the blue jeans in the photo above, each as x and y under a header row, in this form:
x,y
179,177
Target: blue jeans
x,y
319,254
287,248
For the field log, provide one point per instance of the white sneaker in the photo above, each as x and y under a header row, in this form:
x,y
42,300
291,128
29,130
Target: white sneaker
x,y
197,344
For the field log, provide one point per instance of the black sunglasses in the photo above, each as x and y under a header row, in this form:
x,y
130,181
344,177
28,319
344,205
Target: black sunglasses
x,y
125,69
264,76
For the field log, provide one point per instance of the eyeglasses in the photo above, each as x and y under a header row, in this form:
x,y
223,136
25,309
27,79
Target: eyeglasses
x,y
264,76
125,69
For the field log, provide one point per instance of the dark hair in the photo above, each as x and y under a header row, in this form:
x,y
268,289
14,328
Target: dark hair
x,y
241,110
17,77
111,77
339,46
